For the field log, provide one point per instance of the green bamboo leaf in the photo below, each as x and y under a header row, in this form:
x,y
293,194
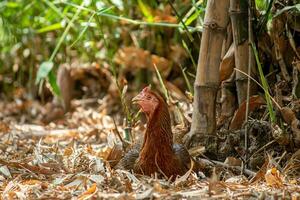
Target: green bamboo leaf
x,y
53,83
43,71
50,28
264,84
136,22
187,80
146,11
47,66
165,91
54,8
83,31
11,4
193,17
103,10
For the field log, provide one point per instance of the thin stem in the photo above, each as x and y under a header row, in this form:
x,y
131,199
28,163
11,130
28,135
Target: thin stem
x,y
250,65
136,22
266,91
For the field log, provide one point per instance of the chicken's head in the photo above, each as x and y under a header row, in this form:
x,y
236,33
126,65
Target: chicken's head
x,y
148,101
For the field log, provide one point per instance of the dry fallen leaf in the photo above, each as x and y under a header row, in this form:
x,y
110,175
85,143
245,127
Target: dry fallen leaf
x,y
274,178
89,192
239,116
164,15
227,65
288,115
184,177
4,128
291,119
259,175
114,156
68,151
232,161
133,58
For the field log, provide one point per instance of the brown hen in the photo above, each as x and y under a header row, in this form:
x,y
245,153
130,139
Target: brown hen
x,y
157,153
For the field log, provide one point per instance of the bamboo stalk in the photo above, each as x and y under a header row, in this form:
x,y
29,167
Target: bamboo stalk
x,y
238,16
207,78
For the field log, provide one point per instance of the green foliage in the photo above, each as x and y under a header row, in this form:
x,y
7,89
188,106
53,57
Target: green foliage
x,y
162,84
264,84
39,35
6,36
44,70
262,5
145,10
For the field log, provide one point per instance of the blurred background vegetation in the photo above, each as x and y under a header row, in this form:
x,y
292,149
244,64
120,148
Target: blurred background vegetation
x,y
37,36
44,34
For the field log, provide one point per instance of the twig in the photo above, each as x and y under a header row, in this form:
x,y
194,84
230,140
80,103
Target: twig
x,y
182,22
260,149
250,65
117,131
119,135
213,162
266,91
28,167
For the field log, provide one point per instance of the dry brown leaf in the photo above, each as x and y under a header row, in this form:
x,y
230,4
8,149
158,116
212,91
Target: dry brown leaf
x,y
19,92
291,119
52,112
274,178
232,161
227,65
104,152
158,188
288,115
4,128
31,182
68,151
36,169
165,15
239,116
165,18
296,130
184,177
114,156
128,186
89,192
260,174
214,186
175,91
52,137
162,64
136,58
66,86
178,54
133,57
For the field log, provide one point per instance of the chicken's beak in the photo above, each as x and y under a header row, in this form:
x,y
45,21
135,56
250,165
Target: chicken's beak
x,y
136,99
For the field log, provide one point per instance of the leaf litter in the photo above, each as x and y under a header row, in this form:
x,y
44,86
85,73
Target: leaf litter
x,y
75,159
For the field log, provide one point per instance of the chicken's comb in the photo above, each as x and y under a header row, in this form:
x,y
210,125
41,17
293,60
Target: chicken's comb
x,y
147,89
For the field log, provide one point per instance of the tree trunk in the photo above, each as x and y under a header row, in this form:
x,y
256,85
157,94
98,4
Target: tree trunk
x,y
207,78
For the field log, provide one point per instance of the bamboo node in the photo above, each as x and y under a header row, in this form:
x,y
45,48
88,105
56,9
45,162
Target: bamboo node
x,y
238,12
214,26
208,86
